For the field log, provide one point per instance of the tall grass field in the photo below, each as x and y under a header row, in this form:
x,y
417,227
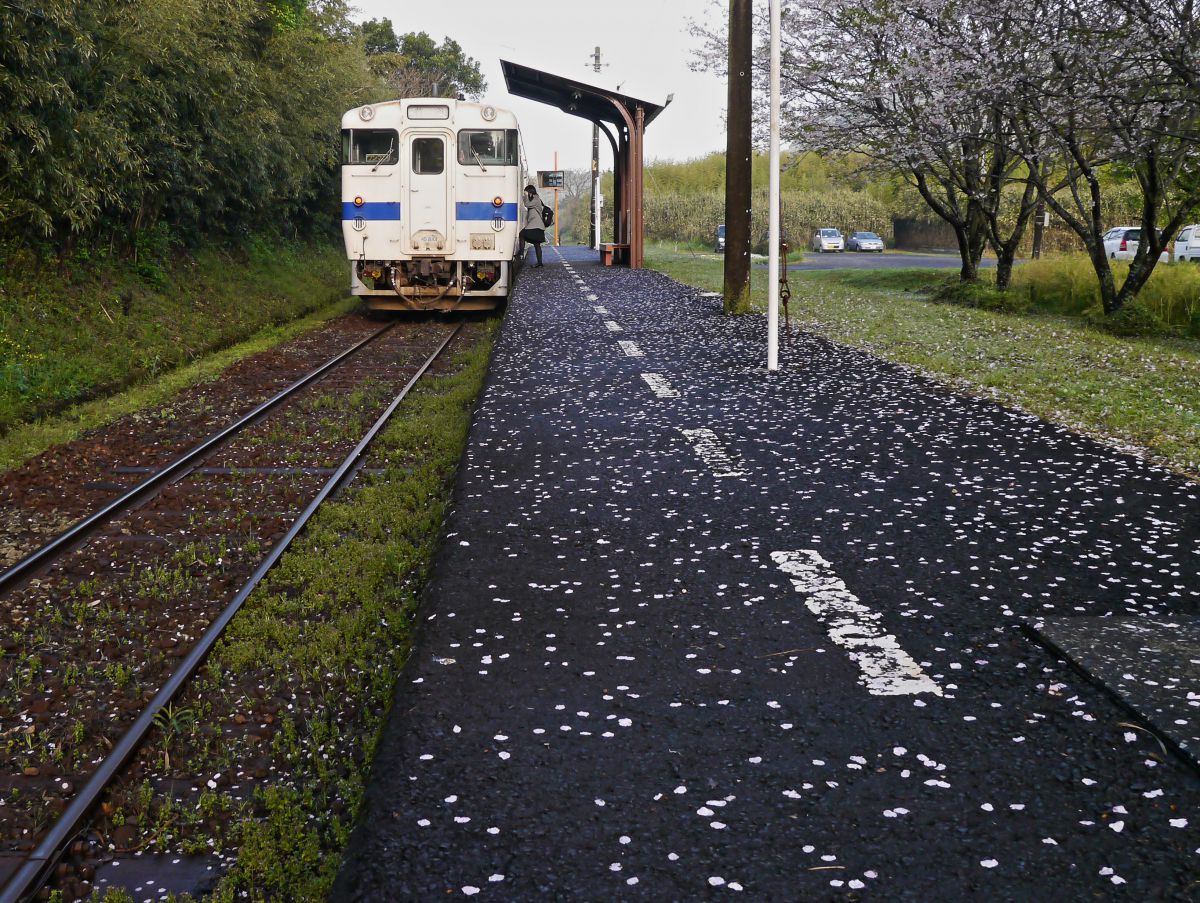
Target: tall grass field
x,y
1067,286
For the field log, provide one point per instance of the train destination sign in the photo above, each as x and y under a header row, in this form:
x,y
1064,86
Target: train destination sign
x,y
551,178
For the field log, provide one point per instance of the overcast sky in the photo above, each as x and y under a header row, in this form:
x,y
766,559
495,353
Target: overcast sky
x,y
644,42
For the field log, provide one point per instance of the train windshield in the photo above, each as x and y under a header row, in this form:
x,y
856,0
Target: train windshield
x,y
491,147
370,147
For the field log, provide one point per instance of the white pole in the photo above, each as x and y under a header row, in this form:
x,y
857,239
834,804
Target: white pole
x,y
773,205
599,205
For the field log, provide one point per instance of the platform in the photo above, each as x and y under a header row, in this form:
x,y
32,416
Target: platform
x,y
697,632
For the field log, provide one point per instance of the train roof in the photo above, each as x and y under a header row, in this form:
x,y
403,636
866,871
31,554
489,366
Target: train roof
x,y
400,111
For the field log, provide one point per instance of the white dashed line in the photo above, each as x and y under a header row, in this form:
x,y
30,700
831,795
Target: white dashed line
x,y
613,326
601,310
631,349
593,297
887,670
709,448
659,384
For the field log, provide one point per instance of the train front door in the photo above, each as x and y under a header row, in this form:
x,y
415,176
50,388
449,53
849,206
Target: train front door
x,y
429,202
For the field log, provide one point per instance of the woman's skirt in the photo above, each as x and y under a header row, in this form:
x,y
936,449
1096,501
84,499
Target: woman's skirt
x,y
534,236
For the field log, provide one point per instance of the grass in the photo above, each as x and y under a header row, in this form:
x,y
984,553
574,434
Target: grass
x,y
1143,392
86,327
26,440
1067,285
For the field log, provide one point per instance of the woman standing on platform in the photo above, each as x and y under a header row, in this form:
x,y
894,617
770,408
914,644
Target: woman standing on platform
x,y
533,226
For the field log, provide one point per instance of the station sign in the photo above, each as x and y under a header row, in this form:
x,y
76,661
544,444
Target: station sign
x,y
552,178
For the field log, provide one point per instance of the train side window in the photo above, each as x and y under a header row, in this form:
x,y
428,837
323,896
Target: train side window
x,y
363,147
491,147
428,156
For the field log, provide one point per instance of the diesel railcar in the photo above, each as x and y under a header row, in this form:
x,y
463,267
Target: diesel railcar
x,y
431,203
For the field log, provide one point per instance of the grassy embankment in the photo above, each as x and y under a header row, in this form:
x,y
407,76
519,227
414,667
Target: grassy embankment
x,y
75,333
1138,391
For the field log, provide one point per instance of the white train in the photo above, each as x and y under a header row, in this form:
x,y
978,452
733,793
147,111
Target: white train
x,y
431,203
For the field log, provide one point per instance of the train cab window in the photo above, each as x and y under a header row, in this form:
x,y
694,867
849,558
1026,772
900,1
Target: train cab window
x,y
428,156
370,147
489,147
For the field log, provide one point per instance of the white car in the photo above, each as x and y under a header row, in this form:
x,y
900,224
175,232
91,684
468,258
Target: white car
x,y
1121,243
828,240
1187,245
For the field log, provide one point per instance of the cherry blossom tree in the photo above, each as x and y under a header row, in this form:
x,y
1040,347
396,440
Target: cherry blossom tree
x,y
1111,86
899,84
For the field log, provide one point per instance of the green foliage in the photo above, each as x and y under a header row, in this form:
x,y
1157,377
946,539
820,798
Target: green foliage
x,y
1133,319
982,295
685,201
219,117
694,217
414,65
280,854
1067,285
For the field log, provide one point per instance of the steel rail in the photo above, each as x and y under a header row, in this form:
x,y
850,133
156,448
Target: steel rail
x,y
82,528
32,874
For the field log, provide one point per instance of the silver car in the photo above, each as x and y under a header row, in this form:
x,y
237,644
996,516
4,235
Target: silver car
x,y
864,241
828,240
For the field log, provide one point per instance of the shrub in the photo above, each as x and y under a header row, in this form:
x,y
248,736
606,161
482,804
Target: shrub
x,y
1134,319
982,295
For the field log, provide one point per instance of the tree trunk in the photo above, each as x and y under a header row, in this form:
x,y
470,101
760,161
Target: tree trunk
x,y
1039,229
737,158
1104,275
969,272
1004,266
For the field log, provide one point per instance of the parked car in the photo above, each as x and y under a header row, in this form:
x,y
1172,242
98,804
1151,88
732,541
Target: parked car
x,y
828,240
719,240
1121,243
864,241
1187,245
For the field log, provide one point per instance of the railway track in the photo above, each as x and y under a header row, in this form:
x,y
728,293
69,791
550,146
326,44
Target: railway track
x,y
133,505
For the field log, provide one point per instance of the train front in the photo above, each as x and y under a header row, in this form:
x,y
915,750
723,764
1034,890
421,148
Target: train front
x,y
430,191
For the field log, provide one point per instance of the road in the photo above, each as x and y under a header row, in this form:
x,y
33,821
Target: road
x,y
852,260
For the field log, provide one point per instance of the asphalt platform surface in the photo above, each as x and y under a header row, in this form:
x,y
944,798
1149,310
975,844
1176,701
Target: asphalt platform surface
x,y
700,633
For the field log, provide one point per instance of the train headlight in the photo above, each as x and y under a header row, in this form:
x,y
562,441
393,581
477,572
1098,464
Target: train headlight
x,y
366,114
497,201
358,202
488,113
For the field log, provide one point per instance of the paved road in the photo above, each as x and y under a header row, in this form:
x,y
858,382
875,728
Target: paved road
x,y
695,633
851,260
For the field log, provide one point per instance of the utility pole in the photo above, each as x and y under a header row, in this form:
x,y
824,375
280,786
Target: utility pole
x,y
737,158
1040,221
773,213
594,230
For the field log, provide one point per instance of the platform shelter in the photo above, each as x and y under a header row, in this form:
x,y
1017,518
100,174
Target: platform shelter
x,y
623,120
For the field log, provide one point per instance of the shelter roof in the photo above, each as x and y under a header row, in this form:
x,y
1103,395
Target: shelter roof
x,y
574,97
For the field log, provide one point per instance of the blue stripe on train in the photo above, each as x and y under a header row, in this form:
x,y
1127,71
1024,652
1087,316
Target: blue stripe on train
x,y
371,210
464,210
484,210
